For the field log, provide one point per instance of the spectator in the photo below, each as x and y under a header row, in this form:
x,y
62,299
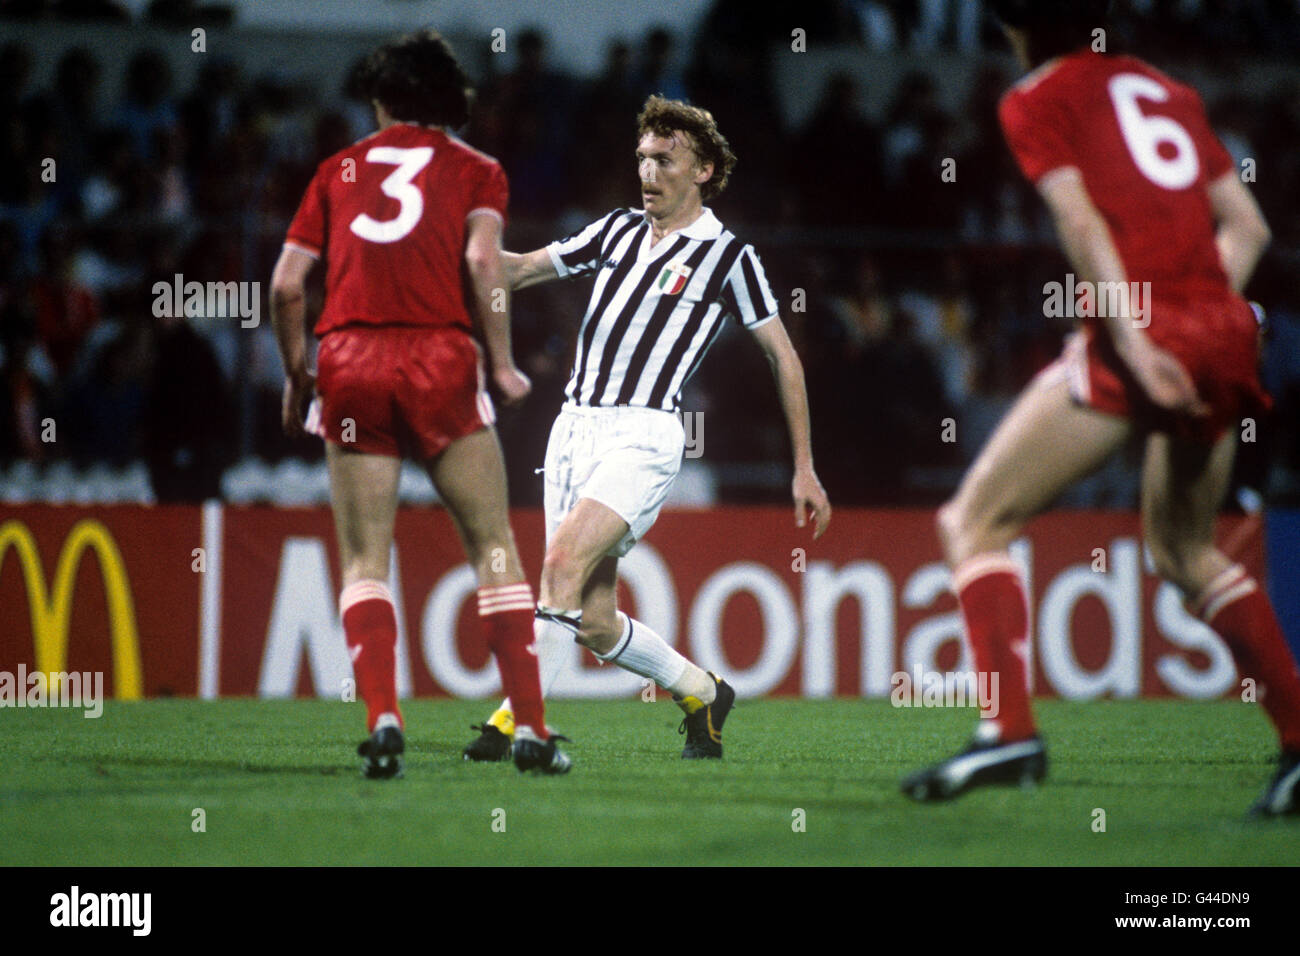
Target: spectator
x,y
530,131
65,311
188,417
836,162
91,10
942,317
604,169
146,107
656,72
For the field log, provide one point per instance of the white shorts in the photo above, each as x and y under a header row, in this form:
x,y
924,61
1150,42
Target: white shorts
x,y
626,458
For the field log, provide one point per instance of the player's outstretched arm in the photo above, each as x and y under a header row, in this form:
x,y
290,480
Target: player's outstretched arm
x,y
528,268
1243,234
788,370
489,304
289,317
1087,243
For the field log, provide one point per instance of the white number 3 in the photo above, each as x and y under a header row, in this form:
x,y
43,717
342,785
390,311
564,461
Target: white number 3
x,y
398,185
1144,135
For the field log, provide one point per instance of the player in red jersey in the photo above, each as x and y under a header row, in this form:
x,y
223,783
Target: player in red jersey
x,y
1148,207
399,217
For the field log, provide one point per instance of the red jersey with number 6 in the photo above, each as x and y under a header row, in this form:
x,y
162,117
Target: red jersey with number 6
x,y
1146,152
388,213
1147,155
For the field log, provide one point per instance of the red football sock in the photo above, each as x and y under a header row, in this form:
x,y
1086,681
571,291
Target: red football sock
x,y
370,629
506,616
996,614
1239,611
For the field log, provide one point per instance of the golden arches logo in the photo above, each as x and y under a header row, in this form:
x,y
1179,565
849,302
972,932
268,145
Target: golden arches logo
x,y
51,610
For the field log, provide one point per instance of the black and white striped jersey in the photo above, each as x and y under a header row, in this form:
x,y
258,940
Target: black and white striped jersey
x,y
654,312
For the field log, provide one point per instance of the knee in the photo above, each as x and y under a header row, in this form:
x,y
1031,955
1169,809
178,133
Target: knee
x,y
955,528
947,524
1177,563
965,531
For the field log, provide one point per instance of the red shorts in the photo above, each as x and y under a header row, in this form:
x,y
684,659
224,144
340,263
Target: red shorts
x,y
401,391
1217,342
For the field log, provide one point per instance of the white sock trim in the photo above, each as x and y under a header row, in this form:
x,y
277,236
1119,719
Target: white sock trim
x,y
978,565
1230,596
623,640
644,652
364,590
569,620
509,597
1227,587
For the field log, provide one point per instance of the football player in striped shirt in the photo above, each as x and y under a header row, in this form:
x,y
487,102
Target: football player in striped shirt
x,y
668,276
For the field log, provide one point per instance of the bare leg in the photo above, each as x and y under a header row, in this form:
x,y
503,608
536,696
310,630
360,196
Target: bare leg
x,y
363,489
601,624
470,476
1044,445
579,544
578,572
364,492
1184,485
576,548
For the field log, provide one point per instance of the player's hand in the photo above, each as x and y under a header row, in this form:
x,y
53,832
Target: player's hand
x,y
1166,383
298,392
512,384
810,495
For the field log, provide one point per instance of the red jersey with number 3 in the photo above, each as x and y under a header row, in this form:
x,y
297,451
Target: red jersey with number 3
x,y
389,215
1146,152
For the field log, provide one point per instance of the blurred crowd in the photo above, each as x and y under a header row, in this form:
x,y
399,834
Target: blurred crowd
x,y
923,25
914,301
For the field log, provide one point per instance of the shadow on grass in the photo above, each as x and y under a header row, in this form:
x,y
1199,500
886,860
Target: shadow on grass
x,y
198,764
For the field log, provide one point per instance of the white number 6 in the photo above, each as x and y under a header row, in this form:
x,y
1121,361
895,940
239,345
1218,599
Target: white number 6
x,y
398,185
1144,135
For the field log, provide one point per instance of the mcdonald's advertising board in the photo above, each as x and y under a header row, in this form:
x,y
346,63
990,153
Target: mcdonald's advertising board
x,y
228,601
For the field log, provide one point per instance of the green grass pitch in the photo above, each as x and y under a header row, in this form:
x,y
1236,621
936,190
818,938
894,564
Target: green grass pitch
x,y
278,783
